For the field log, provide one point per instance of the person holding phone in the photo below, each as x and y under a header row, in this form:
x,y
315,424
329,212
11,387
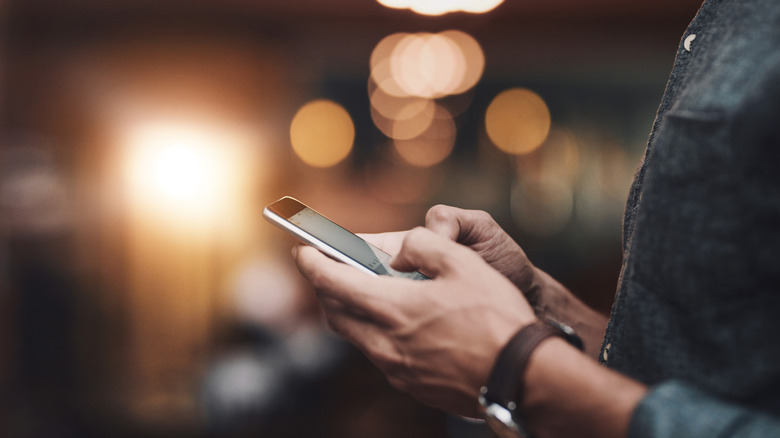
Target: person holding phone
x,y
690,349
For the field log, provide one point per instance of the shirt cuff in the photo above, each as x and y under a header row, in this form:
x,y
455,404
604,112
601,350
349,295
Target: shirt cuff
x,y
674,409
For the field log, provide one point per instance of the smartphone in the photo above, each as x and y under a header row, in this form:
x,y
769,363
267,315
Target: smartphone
x,y
332,239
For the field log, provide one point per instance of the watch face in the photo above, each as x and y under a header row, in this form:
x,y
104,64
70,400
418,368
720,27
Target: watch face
x,y
500,421
501,430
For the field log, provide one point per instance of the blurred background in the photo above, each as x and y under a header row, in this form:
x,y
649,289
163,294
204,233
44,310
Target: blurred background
x,y
141,293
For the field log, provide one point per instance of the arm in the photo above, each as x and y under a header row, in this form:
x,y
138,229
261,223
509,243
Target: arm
x,y
568,394
435,339
438,339
438,342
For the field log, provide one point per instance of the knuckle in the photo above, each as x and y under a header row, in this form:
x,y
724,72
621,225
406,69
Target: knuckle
x,y
416,233
439,213
386,359
333,324
320,281
484,216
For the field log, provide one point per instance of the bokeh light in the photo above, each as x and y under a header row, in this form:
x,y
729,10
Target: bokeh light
x,y
427,65
322,133
517,121
433,145
180,168
440,7
412,76
401,119
473,56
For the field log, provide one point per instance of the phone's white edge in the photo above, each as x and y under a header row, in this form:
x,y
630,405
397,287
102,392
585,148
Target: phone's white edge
x,y
312,240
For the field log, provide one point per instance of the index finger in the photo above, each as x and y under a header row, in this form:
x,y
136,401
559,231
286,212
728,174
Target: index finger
x,y
431,253
359,293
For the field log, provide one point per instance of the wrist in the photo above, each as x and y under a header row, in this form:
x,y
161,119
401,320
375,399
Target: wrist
x,y
562,383
501,397
543,293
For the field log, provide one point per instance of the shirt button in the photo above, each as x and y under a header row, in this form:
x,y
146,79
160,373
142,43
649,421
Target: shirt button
x,y
688,41
605,353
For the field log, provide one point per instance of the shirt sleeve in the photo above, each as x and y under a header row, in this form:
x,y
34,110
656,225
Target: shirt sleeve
x,y
674,409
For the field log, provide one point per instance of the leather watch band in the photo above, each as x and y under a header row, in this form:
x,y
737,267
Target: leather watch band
x,y
503,392
511,362
505,383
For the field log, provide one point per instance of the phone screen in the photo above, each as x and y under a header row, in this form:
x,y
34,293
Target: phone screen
x,y
338,238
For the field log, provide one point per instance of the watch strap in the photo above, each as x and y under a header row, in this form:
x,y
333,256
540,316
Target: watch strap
x,y
505,383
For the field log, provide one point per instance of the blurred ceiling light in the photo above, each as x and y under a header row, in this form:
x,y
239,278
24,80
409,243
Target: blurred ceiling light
x,y
433,145
440,7
322,133
396,108
183,168
381,70
517,121
473,56
401,119
427,65
408,73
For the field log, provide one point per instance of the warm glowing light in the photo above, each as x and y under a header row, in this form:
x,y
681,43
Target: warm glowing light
x,y
401,118
439,7
410,73
427,65
179,167
322,133
381,68
517,121
474,59
181,171
398,108
479,6
433,145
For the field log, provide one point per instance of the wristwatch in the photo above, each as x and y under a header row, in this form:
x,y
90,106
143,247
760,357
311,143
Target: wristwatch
x,y
499,397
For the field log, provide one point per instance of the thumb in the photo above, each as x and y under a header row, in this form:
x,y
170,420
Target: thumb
x,y
443,220
431,253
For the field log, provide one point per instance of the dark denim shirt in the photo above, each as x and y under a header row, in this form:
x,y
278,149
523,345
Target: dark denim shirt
x,y
697,315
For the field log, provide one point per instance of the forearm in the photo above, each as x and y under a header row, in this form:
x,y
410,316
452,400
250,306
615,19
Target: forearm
x,y
551,299
567,394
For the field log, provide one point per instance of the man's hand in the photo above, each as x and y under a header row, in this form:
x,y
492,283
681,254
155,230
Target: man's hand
x,y
480,232
477,230
436,339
